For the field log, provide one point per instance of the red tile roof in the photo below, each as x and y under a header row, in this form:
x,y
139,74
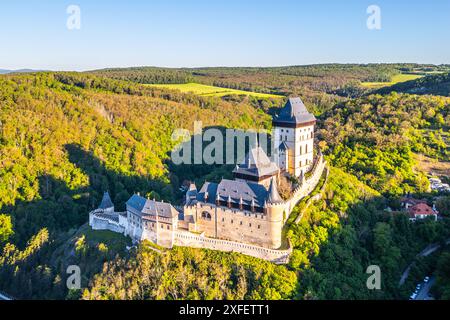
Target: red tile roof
x,y
421,208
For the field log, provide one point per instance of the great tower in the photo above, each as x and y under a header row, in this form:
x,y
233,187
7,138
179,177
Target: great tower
x,y
293,135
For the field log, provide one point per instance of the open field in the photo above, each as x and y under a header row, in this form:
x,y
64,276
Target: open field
x,y
205,90
432,166
395,79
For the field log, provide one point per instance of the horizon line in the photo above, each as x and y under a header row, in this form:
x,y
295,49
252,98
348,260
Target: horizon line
x,y
25,69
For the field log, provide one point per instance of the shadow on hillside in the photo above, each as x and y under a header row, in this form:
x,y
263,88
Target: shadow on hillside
x,y
61,207
199,169
61,210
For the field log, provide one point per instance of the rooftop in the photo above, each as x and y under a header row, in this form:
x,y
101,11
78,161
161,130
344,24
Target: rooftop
x,y
421,208
257,164
235,191
294,112
151,207
106,202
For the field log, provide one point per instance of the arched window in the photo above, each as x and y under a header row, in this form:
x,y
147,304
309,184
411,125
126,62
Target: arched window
x,y
206,216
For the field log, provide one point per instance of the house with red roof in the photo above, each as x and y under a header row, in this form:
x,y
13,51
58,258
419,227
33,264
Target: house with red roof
x,y
421,211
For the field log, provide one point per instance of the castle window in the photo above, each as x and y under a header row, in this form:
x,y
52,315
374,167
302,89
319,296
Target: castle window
x,y
206,216
231,221
241,223
250,225
168,227
281,130
259,226
223,219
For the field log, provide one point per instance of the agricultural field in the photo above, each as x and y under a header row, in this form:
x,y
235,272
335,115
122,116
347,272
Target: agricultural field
x,y
395,79
205,90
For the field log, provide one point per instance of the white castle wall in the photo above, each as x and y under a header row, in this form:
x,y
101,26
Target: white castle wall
x,y
102,223
307,186
188,239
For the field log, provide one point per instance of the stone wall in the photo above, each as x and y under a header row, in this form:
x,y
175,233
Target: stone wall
x,y
231,224
102,223
187,239
307,185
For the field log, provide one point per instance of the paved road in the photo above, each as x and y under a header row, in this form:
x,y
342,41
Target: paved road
x,y
3,297
424,293
425,252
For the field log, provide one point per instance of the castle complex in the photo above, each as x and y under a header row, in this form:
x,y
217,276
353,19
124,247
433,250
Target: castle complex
x,y
246,214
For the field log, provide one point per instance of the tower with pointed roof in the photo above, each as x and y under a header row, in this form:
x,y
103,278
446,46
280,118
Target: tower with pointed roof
x,y
256,167
106,204
293,137
274,209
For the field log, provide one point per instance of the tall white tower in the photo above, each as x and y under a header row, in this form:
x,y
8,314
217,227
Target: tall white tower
x,y
293,137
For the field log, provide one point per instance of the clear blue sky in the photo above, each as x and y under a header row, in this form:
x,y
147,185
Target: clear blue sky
x,y
189,33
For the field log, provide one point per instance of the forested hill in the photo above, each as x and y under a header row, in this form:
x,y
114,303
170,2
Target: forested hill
x,y
374,137
321,86
437,84
68,137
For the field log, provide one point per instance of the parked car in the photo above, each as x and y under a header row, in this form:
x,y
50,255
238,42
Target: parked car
x,y
426,279
413,296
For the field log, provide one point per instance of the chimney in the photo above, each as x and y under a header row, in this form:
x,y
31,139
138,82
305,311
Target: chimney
x,y
241,204
218,199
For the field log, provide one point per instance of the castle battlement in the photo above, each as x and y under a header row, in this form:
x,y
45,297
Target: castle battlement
x,y
243,215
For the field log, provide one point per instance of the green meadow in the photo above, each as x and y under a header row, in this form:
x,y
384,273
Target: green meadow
x,y
395,79
205,90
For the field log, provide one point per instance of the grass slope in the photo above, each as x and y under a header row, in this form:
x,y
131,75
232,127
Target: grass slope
x,y
205,90
395,79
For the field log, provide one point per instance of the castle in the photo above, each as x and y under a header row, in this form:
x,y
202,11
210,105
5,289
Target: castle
x,y
246,214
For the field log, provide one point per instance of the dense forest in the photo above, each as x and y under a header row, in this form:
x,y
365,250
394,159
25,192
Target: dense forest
x,y
67,137
374,137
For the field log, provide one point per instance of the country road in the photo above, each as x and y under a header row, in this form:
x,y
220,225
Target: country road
x,y
3,297
425,252
424,293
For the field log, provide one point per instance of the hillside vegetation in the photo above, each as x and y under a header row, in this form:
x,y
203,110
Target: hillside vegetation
x,y
436,84
375,137
68,137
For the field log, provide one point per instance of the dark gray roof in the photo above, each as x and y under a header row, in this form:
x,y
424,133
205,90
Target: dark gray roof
x,y
294,112
257,163
283,146
152,207
235,191
192,191
272,195
106,202
211,189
